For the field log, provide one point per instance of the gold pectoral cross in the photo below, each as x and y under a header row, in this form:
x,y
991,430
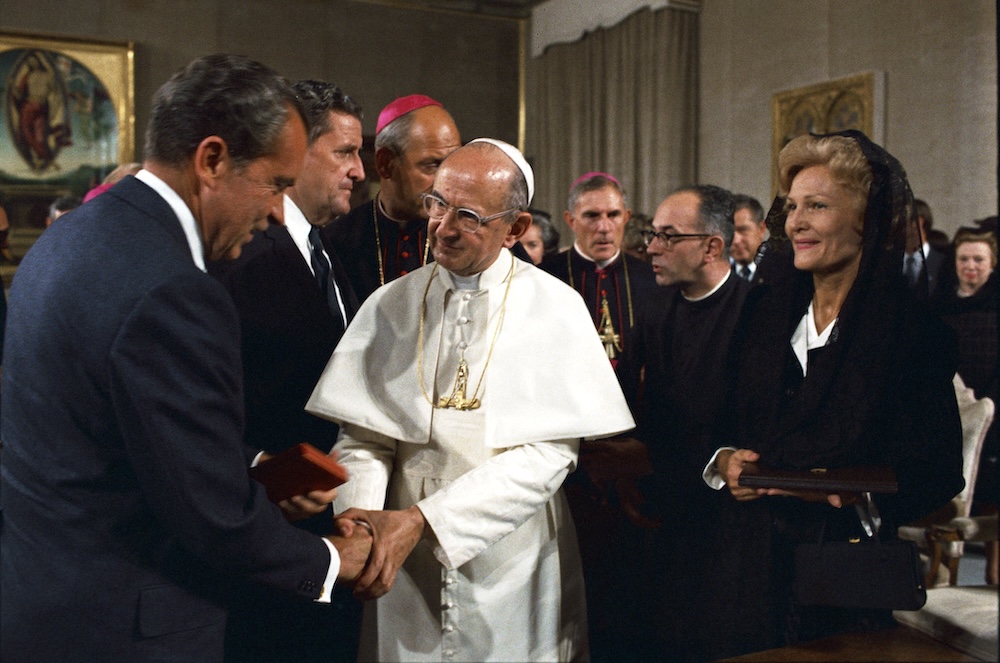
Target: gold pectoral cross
x,y
457,399
606,329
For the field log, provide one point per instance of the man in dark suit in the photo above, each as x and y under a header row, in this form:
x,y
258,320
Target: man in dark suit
x,y
749,231
127,505
922,262
294,302
292,295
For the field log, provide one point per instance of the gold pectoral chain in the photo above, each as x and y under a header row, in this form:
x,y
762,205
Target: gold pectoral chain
x,y
378,244
605,327
458,399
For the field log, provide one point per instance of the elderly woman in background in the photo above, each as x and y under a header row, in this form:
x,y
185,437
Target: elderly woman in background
x,y
975,260
837,366
541,238
971,310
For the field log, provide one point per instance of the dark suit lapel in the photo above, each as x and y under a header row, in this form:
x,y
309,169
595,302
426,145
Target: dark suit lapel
x,y
299,274
351,304
288,254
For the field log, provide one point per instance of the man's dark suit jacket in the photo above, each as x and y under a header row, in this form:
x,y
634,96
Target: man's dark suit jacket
x,y
125,492
288,335
932,267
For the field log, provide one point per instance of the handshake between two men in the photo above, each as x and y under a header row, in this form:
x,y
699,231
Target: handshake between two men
x,y
372,544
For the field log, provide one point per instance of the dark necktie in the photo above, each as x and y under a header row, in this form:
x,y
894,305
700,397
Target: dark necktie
x,y
745,272
321,266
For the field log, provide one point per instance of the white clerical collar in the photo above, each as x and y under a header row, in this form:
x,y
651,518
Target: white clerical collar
x,y
465,282
725,277
806,337
600,264
183,212
493,275
298,227
381,208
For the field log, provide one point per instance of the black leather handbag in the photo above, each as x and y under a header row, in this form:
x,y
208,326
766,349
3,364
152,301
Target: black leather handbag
x,y
860,573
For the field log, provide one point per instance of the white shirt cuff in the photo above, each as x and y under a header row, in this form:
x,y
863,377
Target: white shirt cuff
x,y
711,473
331,575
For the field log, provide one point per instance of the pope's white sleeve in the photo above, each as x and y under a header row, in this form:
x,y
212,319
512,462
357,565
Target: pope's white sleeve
x,y
492,500
368,458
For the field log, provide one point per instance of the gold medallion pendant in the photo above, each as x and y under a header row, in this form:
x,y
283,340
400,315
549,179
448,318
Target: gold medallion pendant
x,y
457,399
612,341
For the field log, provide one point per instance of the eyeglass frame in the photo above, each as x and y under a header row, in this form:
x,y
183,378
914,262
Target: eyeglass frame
x,y
479,219
668,239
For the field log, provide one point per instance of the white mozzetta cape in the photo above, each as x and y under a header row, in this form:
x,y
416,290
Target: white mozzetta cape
x,y
548,379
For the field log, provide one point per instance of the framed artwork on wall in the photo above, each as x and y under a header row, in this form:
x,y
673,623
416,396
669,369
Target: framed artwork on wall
x,y
67,119
852,102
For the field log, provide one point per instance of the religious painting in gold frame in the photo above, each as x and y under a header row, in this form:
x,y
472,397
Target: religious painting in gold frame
x,y
852,102
67,118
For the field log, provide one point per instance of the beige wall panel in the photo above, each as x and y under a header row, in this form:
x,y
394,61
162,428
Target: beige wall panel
x,y
939,60
375,52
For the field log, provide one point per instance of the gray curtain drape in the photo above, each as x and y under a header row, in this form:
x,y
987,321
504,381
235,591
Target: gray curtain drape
x,y
622,100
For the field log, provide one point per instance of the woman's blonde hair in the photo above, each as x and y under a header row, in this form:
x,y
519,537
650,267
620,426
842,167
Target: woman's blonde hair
x,y
840,154
968,236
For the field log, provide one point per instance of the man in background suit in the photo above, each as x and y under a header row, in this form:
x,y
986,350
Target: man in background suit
x,y
294,302
290,289
749,230
922,262
127,504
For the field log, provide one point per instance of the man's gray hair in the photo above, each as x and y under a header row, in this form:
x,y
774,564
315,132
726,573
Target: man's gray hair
x,y
593,183
715,211
318,100
395,136
242,101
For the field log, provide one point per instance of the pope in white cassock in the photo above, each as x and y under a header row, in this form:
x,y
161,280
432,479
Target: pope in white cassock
x,y
463,390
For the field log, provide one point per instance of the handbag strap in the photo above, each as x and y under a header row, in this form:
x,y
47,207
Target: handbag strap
x,y
868,513
871,521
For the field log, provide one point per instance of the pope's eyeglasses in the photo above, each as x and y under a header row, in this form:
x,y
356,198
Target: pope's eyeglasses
x,y
468,220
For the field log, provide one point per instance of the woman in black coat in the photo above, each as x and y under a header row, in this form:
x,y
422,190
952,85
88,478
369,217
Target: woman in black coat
x,y
970,309
837,366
